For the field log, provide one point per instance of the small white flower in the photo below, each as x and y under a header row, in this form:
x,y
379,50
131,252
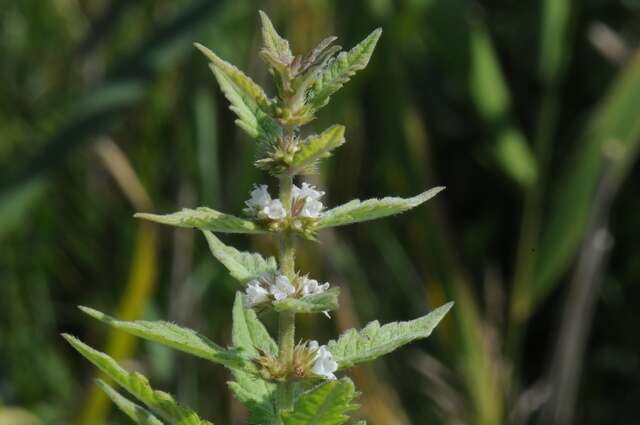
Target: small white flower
x,y
311,287
282,288
324,364
312,207
274,210
259,198
256,294
261,205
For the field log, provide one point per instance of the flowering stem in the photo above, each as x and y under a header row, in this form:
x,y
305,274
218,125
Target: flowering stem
x,y
286,320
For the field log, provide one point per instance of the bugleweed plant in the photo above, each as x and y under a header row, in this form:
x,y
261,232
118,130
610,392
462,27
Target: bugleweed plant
x,y
285,382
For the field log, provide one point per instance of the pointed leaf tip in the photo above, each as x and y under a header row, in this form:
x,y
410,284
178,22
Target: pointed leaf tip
x,y
373,341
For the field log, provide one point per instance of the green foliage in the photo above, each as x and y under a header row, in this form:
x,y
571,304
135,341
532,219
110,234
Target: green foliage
x,y
248,100
373,341
138,414
357,211
250,336
173,336
204,219
317,147
137,385
242,266
317,303
274,44
346,64
326,404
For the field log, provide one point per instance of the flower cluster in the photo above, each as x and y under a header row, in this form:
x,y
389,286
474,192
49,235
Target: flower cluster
x,y
305,202
276,287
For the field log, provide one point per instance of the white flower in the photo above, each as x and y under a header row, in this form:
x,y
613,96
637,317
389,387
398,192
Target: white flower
x,y
259,198
312,207
274,210
311,287
261,205
256,294
324,364
282,287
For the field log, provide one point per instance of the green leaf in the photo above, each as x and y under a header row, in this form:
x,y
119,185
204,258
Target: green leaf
x,y
250,335
273,42
160,403
326,404
316,147
204,219
356,211
242,266
138,414
173,336
248,100
341,69
318,303
373,341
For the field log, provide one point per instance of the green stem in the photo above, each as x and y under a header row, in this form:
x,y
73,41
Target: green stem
x,y
286,320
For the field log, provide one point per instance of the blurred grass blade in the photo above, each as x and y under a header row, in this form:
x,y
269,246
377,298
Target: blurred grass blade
x,y
206,133
464,44
100,107
555,38
613,136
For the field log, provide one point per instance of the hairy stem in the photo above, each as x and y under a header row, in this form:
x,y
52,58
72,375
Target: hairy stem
x,y
286,320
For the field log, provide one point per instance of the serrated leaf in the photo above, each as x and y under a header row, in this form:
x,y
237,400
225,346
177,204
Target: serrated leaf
x,y
373,341
204,219
317,303
138,414
356,211
242,266
248,100
326,404
160,403
250,335
273,42
341,69
316,147
173,336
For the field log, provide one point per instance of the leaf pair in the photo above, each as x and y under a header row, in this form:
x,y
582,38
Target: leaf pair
x,y
355,211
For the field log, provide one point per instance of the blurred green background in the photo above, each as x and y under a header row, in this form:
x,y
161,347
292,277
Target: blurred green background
x,y
529,113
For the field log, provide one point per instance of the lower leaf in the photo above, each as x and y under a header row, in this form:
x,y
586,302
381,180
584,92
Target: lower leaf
x,y
137,414
136,384
326,404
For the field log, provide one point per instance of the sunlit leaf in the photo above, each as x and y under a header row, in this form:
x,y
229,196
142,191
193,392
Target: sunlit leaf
x,y
341,69
316,147
204,218
160,403
242,266
138,414
373,341
357,211
248,100
174,336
